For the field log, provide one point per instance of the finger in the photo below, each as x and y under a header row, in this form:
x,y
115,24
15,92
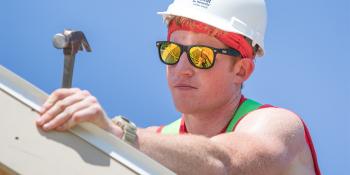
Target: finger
x,y
67,114
84,115
60,106
92,113
67,125
55,96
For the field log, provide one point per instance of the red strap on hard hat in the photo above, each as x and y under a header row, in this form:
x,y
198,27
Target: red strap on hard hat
x,y
233,40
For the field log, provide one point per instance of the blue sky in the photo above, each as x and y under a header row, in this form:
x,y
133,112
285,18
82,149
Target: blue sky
x,y
305,68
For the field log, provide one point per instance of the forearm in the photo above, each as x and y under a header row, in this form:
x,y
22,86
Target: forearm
x,y
185,154
191,154
233,153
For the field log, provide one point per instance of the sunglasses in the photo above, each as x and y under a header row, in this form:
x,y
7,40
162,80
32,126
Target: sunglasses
x,y
200,56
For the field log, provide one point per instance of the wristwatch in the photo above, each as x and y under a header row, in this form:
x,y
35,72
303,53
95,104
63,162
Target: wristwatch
x,y
129,128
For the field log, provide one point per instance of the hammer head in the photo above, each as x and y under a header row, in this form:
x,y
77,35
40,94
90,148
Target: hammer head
x,y
71,41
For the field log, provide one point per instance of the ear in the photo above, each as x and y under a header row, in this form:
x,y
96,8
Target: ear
x,y
243,69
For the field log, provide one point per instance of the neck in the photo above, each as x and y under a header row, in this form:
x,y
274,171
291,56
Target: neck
x,y
211,123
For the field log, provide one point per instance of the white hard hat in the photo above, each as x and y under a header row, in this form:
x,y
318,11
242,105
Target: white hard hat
x,y
245,17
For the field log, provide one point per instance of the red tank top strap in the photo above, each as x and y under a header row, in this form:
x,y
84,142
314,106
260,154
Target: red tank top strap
x,y
159,130
266,106
312,148
182,129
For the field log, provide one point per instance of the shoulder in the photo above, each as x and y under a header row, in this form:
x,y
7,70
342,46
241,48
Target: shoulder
x,y
275,136
278,123
271,116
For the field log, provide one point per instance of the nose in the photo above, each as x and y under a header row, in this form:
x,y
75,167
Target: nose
x,y
184,67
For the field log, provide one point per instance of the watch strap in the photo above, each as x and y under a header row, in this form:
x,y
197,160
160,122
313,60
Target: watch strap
x,y
128,127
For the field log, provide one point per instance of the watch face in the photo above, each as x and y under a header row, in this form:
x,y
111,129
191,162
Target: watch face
x,y
125,119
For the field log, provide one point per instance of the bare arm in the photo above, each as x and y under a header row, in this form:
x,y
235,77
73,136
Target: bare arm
x,y
265,142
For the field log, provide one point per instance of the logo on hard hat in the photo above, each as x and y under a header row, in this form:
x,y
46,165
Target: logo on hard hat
x,y
201,3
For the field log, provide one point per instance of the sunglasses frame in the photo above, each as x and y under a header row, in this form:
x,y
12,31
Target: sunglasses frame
x,y
184,48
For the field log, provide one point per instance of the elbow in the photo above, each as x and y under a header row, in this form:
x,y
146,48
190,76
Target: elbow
x,y
219,167
221,163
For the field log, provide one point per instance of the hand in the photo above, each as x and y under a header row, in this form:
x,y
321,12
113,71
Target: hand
x,y
65,108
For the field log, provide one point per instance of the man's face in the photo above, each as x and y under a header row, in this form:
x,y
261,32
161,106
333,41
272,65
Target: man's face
x,y
201,90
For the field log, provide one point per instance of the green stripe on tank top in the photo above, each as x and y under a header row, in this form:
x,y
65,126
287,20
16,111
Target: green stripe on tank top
x,y
246,107
172,128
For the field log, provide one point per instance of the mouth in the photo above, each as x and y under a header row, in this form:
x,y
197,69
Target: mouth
x,y
184,87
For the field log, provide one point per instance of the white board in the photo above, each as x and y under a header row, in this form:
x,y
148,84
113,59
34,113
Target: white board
x,y
86,149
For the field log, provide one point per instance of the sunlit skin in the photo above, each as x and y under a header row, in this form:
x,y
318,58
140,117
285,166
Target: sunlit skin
x,y
268,141
201,94
191,86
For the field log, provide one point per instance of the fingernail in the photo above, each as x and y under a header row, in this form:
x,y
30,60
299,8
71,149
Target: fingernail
x,y
42,109
46,127
39,121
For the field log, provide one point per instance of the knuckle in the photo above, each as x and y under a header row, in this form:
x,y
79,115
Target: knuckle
x,y
61,105
76,117
47,105
77,96
96,110
57,91
92,99
68,112
56,94
86,92
75,89
50,113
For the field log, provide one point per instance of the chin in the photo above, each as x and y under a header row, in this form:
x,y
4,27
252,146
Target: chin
x,y
185,110
186,107
186,102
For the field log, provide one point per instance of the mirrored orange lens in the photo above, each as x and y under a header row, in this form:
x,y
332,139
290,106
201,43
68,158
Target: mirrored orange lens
x,y
202,57
170,53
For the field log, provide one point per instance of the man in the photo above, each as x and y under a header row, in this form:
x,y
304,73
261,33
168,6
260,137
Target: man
x,y
209,54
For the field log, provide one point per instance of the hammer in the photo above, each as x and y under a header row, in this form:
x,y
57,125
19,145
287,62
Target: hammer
x,y
71,42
